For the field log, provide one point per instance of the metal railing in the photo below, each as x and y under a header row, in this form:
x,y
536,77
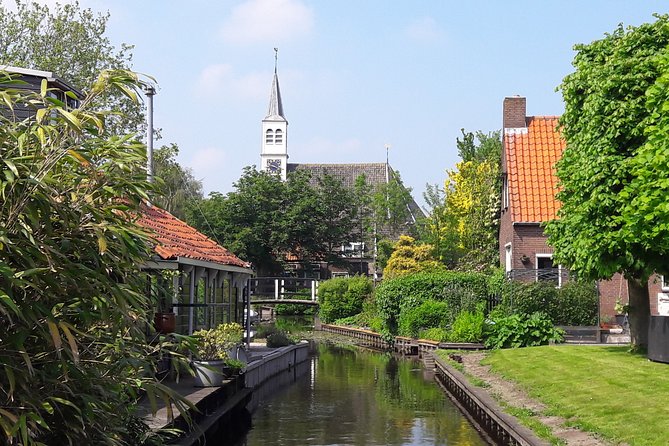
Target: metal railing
x,y
281,288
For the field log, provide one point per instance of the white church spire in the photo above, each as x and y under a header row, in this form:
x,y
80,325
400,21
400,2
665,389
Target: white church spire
x,y
274,153
275,109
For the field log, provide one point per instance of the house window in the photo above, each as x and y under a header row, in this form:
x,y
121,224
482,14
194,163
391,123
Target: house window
x,y
507,258
278,137
505,192
546,271
353,249
665,283
269,136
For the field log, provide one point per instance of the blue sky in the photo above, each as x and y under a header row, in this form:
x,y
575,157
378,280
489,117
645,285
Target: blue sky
x,y
355,75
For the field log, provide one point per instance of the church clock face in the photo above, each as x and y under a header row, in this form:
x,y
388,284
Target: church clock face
x,y
273,165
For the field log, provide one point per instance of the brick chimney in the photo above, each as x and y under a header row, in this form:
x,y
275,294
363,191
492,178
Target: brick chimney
x,y
514,110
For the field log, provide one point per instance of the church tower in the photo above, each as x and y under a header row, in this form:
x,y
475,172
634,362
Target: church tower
x,y
274,153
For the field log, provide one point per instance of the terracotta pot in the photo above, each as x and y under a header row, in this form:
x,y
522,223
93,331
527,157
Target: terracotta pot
x,y
165,322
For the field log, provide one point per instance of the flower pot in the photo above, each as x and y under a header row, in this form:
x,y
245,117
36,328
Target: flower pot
x,y
620,319
165,322
208,373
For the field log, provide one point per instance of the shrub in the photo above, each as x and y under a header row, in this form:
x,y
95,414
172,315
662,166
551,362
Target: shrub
x,y
521,331
429,314
457,289
531,297
434,334
297,309
343,297
577,304
468,326
278,338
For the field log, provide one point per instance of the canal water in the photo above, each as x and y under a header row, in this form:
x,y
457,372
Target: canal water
x,y
349,396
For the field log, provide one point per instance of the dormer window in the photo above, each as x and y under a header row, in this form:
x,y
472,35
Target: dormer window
x,y
278,137
269,136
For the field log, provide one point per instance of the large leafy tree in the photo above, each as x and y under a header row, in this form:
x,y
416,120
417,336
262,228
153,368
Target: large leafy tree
x,y
69,41
264,219
613,216
177,186
463,219
73,353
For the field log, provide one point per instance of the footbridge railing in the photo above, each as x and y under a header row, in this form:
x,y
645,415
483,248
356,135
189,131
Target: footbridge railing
x,y
275,290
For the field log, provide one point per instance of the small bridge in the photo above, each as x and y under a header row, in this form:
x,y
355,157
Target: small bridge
x,y
282,290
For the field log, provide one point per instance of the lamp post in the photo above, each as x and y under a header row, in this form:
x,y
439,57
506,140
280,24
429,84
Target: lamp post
x,y
150,91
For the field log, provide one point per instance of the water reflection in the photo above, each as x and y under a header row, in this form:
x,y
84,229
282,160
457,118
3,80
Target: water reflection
x,y
347,396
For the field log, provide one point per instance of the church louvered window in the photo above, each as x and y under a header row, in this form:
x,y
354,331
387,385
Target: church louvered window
x,y
269,136
278,137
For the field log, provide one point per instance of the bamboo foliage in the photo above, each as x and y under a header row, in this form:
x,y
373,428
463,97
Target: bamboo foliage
x,y
72,350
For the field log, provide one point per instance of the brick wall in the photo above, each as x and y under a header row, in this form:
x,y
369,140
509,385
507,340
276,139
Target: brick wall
x,y
513,112
609,291
528,240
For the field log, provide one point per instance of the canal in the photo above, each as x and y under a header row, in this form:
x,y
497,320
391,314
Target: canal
x,y
349,396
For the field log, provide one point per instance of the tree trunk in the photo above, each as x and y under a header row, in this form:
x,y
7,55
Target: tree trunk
x,y
639,312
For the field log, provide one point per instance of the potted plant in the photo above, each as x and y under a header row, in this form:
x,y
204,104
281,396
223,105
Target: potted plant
x,y
621,312
232,367
209,358
165,320
213,353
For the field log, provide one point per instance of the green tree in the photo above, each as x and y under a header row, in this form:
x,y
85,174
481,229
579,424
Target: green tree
x,y
178,188
463,220
409,257
472,214
73,353
247,220
390,205
612,218
264,218
336,217
480,146
71,42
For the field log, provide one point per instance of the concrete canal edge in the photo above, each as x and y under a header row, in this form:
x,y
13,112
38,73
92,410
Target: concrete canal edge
x,y
476,403
483,409
215,404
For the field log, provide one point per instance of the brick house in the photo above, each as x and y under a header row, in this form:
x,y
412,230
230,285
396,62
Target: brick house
x,y
531,147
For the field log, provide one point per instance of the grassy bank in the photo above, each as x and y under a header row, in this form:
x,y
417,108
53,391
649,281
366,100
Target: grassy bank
x,y
620,396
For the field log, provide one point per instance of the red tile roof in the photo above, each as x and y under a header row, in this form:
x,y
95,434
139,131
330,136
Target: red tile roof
x,y
531,155
177,239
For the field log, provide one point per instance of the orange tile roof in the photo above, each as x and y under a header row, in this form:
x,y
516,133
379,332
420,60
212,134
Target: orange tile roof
x,y
175,239
531,155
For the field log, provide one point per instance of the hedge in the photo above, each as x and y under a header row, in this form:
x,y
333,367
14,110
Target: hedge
x,y
343,297
460,291
575,303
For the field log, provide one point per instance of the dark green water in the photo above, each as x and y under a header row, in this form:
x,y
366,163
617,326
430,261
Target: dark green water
x,y
347,396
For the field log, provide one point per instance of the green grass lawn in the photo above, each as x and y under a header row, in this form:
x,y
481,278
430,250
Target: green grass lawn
x,y
621,396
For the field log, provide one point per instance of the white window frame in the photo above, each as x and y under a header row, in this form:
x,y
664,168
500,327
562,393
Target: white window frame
x,y
663,283
508,258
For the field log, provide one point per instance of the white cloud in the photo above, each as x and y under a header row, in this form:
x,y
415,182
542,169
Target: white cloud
x,y
267,21
220,80
424,29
